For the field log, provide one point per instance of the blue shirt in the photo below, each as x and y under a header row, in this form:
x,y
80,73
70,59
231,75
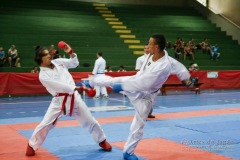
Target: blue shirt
x,y
1,54
215,48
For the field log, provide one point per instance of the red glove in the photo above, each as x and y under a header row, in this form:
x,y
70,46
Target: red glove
x,y
63,45
90,92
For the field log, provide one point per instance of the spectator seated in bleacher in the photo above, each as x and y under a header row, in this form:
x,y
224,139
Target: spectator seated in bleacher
x,y
193,45
178,48
215,54
205,46
13,56
188,51
2,57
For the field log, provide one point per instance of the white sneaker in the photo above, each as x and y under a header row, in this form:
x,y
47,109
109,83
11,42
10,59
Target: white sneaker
x,y
97,97
105,97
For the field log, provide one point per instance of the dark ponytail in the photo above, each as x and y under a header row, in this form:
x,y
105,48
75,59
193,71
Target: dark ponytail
x,y
38,54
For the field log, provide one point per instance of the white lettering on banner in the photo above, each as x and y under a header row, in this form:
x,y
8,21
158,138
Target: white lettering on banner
x,y
212,74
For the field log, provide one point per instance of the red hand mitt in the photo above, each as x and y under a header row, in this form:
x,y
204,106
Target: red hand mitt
x,y
91,92
62,44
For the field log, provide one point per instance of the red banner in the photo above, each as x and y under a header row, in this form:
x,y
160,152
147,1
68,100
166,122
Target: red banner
x,y
29,84
4,84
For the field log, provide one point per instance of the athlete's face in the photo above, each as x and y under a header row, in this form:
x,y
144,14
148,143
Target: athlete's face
x,y
152,46
146,49
46,59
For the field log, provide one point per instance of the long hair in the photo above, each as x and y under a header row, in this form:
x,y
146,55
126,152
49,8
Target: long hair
x,y
38,54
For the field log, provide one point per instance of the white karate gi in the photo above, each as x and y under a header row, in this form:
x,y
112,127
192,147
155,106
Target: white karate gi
x,y
142,90
179,69
99,71
59,80
140,60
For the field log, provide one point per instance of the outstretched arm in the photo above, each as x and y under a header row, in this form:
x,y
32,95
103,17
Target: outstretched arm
x,y
182,73
179,69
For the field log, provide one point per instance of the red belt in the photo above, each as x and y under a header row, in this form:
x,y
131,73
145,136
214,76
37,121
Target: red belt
x,y
63,108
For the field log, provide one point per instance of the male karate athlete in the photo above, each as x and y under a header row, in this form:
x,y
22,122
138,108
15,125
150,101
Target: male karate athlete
x,y
98,71
54,75
143,87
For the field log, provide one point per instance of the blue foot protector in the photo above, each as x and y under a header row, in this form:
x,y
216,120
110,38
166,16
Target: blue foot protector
x,y
127,156
117,88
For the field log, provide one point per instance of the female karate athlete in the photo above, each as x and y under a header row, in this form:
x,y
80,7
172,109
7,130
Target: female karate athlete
x,y
54,75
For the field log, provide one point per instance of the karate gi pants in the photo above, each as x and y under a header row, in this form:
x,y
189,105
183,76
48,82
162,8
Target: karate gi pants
x,y
100,89
80,112
142,107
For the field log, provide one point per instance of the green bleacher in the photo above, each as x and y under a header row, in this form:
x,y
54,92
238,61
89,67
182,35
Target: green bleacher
x,y
180,22
29,23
